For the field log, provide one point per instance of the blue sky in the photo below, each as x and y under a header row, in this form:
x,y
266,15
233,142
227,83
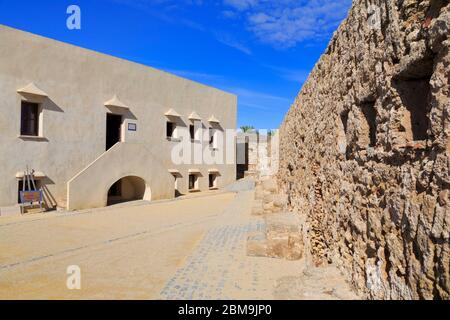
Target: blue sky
x,y
261,50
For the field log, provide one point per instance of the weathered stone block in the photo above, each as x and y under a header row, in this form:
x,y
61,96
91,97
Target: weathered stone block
x,y
270,185
257,245
280,201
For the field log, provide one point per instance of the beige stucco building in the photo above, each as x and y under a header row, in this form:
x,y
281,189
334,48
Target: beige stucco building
x,y
84,121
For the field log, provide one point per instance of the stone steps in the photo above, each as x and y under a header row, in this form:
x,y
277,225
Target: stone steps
x,y
281,238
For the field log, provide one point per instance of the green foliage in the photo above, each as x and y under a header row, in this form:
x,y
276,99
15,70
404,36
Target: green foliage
x,y
247,129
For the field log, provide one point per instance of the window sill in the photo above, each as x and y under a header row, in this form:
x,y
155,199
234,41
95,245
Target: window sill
x,y
195,141
32,138
194,190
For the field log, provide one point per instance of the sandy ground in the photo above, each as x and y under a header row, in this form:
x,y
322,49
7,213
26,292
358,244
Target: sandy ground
x,y
123,253
193,248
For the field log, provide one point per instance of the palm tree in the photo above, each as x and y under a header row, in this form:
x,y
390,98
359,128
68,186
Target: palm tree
x,y
247,129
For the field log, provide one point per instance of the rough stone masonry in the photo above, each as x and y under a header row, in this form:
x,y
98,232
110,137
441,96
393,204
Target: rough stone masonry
x,y
365,150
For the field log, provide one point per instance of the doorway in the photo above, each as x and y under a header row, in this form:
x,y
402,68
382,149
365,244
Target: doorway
x,y
242,168
113,129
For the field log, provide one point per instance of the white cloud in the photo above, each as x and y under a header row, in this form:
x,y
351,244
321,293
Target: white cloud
x,y
294,75
229,40
246,93
240,4
285,23
230,14
260,101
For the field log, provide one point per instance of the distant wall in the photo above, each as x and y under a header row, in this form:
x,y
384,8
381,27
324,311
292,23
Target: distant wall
x,y
365,150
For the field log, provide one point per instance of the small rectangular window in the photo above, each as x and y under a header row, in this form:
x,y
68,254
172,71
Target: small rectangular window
x,y
177,192
211,137
193,182
212,180
192,131
170,129
19,189
29,122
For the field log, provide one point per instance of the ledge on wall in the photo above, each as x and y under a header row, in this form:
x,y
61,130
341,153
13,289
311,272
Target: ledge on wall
x,y
172,113
32,93
33,138
213,119
37,175
116,103
215,171
32,89
194,116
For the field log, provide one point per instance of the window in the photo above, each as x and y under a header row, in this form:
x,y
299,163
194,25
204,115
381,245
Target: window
x,y
214,138
211,137
192,131
212,180
177,192
29,122
170,129
193,182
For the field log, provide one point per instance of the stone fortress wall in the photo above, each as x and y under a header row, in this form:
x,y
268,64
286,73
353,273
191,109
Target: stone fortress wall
x,y
365,150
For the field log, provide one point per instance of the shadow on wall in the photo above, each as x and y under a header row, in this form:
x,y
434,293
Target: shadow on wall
x,y
414,89
50,202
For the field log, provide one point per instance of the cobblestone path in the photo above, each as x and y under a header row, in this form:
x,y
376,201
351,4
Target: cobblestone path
x,y
219,267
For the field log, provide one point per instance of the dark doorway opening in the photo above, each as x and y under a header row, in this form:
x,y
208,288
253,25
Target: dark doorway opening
x,y
243,150
193,182
176,180
212,181
130,188
113,129
116,189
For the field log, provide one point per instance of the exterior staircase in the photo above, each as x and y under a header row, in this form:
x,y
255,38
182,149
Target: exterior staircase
x,y
89,188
